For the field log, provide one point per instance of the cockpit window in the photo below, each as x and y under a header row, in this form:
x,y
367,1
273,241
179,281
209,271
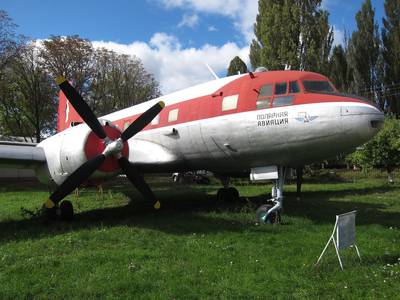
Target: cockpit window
x,y
318,86
283,101
294,87
265,91
280,88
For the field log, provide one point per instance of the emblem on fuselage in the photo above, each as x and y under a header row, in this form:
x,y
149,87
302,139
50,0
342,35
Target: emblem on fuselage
x,y
305,117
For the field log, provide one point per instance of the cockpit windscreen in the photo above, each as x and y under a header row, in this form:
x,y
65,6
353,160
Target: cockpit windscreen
x,y
318,87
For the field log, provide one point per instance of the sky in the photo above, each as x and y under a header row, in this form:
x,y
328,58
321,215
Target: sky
x,y
175,39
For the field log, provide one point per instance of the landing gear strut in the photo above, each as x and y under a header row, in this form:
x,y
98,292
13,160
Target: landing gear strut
x,y
271,212
227,193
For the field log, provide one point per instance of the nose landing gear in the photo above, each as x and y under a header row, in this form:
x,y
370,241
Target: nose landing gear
x,y
262,215
271,212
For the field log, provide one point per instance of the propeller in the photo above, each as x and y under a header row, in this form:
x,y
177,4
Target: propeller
x,y
113,148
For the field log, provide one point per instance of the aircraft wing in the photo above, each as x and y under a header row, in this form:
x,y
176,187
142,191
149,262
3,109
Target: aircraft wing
x,y
21,155
151,157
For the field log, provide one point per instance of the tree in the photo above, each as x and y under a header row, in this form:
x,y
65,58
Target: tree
x,y
120,81
277,34
71,57
291,32
107,80
391,54
317,40
9,43
28,100
383,151
364,48
236,66
339,70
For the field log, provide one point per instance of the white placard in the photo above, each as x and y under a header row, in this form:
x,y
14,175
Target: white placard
x,y
345,233
346,230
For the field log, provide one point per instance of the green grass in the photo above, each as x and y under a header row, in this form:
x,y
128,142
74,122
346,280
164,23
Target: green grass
x,y
195,248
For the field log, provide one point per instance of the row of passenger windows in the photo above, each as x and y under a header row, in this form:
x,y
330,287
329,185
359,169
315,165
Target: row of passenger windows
x,y
172,117
231,102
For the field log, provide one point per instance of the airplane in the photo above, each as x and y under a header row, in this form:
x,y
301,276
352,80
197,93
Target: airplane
x,y
257,124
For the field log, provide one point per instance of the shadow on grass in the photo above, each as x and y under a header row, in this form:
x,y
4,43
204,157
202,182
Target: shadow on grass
x,y
193,210
319,206
181,215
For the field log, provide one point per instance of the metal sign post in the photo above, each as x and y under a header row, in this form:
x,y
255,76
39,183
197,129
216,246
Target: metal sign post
x,y
343,235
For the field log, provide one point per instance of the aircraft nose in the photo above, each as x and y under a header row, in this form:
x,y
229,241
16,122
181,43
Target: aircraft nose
x,y
364,120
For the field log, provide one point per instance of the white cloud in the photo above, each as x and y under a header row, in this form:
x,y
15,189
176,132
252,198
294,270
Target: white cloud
x,y
224,7
328,4
189,21
338,36
212,28
243,12
176,67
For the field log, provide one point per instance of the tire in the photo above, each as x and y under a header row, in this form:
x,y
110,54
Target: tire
x,y
66,211
262,211
222,194
233,194
49,213
206,180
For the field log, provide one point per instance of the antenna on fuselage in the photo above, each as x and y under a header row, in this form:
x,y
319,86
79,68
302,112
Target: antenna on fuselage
x,y
288,67
212,71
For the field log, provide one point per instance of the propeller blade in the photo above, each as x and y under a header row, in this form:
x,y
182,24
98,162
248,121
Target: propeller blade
x,y
81,107
75,179
138,181
142,121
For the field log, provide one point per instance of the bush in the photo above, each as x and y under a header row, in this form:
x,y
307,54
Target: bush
x,y
381,152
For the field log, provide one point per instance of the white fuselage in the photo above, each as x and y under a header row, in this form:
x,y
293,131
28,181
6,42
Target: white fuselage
x,y
289,136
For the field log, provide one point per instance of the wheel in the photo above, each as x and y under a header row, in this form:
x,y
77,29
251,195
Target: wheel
x,y
202,180
66,211
222,194
233,194
262,211
49,213
175,178
205,180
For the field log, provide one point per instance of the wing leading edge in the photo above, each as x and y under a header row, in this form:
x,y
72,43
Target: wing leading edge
x,y
21,155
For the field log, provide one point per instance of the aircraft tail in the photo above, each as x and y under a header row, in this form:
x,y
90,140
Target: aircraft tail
x,y
67,115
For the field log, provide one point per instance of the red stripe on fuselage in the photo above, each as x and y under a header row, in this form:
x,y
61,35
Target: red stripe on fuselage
x,y
210,106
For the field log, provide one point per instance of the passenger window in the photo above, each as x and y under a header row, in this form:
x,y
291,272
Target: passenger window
x,y
156,120
282,101
265,91
263,103
294,87
280,88
173,115
230,102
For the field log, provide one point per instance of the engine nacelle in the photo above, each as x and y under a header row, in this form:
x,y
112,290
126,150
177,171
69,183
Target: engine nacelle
x,y
71,148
